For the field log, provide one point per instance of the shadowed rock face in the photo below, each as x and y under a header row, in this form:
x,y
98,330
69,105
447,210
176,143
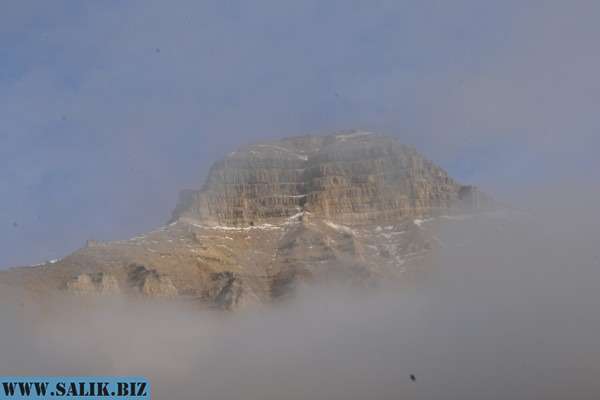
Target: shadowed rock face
x,y
150,283
352,178
354,208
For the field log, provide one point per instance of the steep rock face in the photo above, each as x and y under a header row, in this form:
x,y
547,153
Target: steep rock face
x,y
352,208
94,284
140,280
352,178
357,179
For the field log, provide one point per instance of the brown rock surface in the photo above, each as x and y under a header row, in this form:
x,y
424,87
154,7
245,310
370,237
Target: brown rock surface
x,y
347,208
353,178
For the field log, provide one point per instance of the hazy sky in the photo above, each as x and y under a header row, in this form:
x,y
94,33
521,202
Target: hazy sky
x,y
108,108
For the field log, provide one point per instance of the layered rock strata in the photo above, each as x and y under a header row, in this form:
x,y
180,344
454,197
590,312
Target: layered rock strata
x,y
351,208
352,178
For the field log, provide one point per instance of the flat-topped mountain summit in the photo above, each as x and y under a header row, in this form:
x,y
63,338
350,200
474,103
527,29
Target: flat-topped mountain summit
x,y
355,177
349,208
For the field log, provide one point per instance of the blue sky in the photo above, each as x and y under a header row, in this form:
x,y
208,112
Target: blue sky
x,y
107,109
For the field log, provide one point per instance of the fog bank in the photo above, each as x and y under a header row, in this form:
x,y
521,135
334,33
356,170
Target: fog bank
x,y
509,311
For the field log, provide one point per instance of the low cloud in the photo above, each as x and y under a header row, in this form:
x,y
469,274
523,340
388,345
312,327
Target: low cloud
x,y
508,311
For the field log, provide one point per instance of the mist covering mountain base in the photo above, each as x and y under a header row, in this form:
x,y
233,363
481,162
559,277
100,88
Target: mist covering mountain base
x,y
508,310
475,302
351,208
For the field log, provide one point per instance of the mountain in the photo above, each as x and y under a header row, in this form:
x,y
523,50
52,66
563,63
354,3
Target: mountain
x,y
349,208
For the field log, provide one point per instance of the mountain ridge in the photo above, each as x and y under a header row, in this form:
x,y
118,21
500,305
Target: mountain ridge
x,y
348,208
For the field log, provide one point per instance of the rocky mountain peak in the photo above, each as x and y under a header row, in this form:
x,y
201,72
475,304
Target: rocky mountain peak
x,y
353,177
353,207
